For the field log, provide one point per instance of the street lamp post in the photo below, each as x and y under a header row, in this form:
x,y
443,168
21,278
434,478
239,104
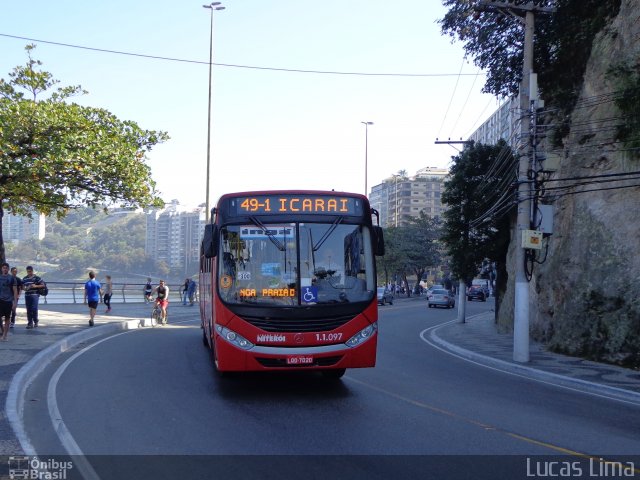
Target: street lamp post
x,y
366,147
213,7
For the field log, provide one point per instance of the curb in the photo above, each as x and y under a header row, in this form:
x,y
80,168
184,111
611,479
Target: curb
x,y
591,388
30,370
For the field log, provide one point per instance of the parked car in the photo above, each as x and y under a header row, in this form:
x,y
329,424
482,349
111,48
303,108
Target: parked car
x,y
384,296
440,297
476,292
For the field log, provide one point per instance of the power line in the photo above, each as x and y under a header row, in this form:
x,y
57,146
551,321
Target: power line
x,y
453,94
613,176
558,195
230,65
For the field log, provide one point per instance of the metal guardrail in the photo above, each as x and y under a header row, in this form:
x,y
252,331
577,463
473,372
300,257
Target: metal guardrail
x,y
73,292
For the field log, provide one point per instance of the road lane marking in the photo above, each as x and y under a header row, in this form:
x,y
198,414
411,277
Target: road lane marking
x,y
477,423
62,432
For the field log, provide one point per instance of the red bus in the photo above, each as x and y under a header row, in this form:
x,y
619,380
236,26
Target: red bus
x,y
288,281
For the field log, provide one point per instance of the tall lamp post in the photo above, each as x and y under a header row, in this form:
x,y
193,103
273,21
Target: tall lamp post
x,y
366,147
213,7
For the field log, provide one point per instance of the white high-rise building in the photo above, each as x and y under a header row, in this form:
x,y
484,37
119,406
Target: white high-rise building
x,y
502,124
398,199
174,235
17,228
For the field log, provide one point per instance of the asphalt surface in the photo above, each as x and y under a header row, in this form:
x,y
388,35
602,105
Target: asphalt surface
x,y
62,327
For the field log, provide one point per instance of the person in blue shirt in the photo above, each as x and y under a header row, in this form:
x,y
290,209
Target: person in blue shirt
x,y
92,293
192,291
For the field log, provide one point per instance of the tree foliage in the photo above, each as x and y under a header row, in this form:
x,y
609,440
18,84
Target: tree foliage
x,y
411,249
481,177
562,43
56,155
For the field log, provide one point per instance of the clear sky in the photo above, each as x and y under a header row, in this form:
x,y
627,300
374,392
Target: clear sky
x,y
270,129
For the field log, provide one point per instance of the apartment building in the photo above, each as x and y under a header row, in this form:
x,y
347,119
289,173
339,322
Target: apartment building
x,y
17,228
502,124
173,236
400,198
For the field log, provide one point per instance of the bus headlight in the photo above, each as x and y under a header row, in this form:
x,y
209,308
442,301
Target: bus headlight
x,y
362,336
233,338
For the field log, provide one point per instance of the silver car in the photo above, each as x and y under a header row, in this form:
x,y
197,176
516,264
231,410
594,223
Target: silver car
x,y
384,296
440,297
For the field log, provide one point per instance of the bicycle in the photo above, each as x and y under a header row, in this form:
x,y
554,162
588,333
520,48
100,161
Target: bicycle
x,y
156,316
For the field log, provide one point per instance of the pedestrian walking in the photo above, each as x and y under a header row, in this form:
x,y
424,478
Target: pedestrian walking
x,y
8,299
14,272
108,292
185,291
32,284
148,290
92,292
192,291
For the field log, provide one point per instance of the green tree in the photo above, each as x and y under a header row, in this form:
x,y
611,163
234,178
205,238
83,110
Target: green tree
x,y
411,249
480,197
56,155
562,44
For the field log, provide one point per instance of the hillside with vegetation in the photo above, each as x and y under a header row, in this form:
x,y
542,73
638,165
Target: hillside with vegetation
x,y
90,239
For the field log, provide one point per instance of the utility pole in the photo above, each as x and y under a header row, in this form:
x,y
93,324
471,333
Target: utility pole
x,y
521,307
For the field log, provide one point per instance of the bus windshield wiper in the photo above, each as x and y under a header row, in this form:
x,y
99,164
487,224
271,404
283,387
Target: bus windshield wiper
x,y
327,234
268,233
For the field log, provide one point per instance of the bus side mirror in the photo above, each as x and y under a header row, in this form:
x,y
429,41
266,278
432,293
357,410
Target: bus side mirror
x,y
210,241
378,241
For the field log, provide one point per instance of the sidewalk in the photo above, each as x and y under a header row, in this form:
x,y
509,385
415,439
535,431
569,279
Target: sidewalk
x,y
478,340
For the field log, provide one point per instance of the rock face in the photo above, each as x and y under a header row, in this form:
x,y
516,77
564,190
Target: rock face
x,y
585,298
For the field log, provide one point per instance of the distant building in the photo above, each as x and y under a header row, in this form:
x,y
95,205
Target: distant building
x,y
18,228
173,236
398,199
502,124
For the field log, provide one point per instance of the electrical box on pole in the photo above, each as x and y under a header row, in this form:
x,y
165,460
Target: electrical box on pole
x,y
532,239
546,219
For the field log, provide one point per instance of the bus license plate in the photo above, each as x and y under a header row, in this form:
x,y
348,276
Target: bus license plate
x,y
300,360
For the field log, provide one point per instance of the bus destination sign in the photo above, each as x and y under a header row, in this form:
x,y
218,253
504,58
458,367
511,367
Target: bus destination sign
x,y
296,204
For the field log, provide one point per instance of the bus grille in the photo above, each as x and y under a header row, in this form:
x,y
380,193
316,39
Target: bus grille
x,y
281,362
273,324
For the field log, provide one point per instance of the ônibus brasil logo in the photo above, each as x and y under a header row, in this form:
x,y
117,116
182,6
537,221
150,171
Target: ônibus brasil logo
x,y
35,468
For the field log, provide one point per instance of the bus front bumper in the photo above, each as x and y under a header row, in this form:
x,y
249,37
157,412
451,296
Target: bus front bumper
x,y
232,357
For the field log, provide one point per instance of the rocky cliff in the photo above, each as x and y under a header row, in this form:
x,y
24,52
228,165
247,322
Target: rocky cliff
x,y
585,297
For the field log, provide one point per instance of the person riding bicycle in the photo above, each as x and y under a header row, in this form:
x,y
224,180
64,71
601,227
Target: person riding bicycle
x,y
148,291
162,298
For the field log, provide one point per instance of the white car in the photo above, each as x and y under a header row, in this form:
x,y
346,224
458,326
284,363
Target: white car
x,y
440,297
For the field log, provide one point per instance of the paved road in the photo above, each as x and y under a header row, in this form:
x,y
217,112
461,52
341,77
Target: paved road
x,y
58,324
154,392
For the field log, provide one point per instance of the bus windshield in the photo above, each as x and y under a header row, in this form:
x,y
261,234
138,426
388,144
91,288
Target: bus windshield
x,y
296,264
